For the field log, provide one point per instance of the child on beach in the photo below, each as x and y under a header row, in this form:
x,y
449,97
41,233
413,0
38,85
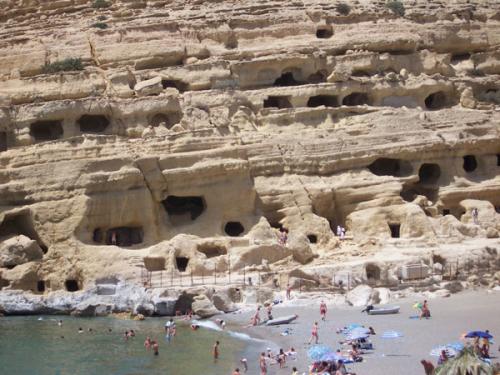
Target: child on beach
x,y
215,351
314,333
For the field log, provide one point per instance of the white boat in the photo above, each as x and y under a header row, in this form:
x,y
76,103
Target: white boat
x,y
384,310
282,320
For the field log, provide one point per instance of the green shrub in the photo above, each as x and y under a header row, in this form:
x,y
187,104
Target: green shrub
x,y
100,25
99,4
343,9
66,65
397,7
102,18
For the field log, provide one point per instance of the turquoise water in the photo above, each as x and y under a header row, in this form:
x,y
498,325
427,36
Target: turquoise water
x,y
29,346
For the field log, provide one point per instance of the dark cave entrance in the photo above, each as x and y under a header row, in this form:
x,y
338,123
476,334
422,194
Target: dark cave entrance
x,y
46,130
326,100
390,167
470,163
395,229
324,32
181,263
234,228
93,123
124,236
3,141
71,285
181,208
356,98
436,100
277,102
286,79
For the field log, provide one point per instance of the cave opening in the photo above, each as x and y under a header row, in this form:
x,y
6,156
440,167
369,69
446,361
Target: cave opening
x,y
435,100
277,102
312,238
93,123
318,77
181,263
179,208
234,228
459,57
46,130
71,285
124,236
3,283
21,223
212,250
3,141
395,230
356,98
498,160
470,163
97,235
429,173
326,100
40,286
184,303
167,120
286,79
324,32
174,83
390,167
446,211
372,272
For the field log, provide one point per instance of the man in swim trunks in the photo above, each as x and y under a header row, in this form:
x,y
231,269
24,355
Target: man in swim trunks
x,y
215,351
263,364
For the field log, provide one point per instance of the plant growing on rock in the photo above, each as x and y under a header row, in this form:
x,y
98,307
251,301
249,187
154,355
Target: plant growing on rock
x,y
100,4
66,65
343,9
397,7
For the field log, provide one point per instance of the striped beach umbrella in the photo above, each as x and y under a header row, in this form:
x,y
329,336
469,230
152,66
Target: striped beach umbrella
x,y
391,335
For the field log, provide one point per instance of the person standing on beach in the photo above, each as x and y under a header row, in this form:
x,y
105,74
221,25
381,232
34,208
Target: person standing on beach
x,y
256,317
314,333
243,361
263,364
270,312
322,310
215,351
156,347
288,291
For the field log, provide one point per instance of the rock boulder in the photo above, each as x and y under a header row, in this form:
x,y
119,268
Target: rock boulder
x,y
18,250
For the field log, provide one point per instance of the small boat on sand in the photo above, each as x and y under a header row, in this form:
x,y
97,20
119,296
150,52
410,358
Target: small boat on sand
x,y
283,320
383,310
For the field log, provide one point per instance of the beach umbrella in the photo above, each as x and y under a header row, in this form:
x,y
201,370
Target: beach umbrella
x,y
457,346
450,352
359,330
391,335
331,356
482,334
348,328
356,335
317,351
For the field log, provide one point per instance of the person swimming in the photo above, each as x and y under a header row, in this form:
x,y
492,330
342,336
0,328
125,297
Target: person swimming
x,y
59,323
80,330
155,348
147,343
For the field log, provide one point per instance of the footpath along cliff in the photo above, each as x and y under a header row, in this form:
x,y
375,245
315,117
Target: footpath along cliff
x,y
183,138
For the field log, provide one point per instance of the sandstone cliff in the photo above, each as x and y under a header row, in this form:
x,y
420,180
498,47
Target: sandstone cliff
x,y
183,134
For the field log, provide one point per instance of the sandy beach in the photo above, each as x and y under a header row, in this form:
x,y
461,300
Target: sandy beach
x,y
452,316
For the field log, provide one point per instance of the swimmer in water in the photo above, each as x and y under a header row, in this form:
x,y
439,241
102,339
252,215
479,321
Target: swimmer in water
x,y
59,323
147,343
155,348
80,330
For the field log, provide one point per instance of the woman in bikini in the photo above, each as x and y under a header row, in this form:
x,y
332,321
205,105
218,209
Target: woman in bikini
x,y
314,333
263,364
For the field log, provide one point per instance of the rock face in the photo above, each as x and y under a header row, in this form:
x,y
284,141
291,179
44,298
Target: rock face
x,y
203,307
19,250
187,137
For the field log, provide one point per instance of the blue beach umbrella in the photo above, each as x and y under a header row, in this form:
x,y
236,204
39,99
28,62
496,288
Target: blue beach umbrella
x,y
330,357
457,346
317,351
356,336
391,335
358,331
482,334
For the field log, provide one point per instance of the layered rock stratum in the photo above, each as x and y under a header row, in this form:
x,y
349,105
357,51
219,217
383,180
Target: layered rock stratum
x,y
185,134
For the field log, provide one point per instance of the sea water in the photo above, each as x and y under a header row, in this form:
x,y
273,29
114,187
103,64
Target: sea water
x,y
38,346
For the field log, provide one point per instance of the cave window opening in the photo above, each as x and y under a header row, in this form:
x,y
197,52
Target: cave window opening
x,y
93,123
324,32
40,286
124,236
372,272
390,167
175,83
71,285
234,228
277,102
286,79
182,263
3,283
436,100
470,163
181,208
21,223
326,100
318,77
312,238
395,230
97,236
164,119
3,141
459,57
429,173
356,98
46,130
498,160
446,211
